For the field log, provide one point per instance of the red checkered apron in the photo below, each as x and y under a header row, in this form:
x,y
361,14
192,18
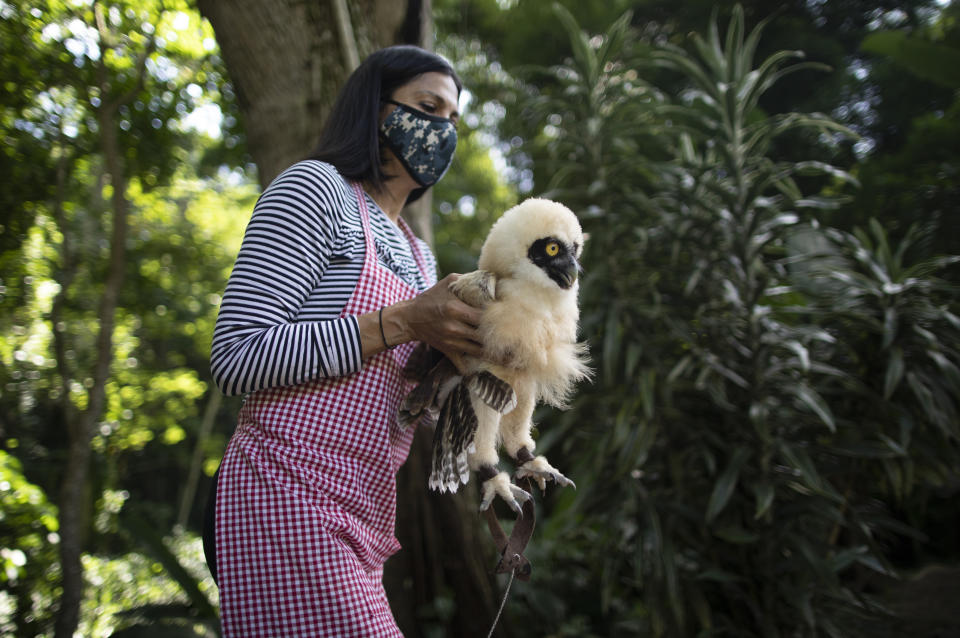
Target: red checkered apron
x,y
307,492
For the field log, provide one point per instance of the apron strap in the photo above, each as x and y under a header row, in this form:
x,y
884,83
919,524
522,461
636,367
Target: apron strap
x,y
364,217
415,249
404,228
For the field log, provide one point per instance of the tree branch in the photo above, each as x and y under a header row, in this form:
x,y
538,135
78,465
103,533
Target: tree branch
x,y
348,41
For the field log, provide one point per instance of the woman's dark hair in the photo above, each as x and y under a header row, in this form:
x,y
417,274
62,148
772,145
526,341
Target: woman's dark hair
x,y
350,139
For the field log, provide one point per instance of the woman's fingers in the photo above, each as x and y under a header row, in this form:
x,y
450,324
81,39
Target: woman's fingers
x,y
439,318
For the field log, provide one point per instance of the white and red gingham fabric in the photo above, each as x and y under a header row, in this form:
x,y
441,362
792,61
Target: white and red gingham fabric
x,y
307,491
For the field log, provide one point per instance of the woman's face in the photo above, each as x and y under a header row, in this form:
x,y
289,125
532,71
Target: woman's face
x,y
434,93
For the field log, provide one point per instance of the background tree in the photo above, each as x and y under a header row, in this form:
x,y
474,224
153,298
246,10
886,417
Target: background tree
x,y
97,95
917,178
288,62
865,91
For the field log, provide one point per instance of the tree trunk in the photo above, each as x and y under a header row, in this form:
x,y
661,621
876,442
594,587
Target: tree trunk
x,y
74,497
73,493
287,61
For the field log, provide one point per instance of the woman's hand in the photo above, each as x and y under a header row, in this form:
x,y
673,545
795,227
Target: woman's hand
x,y
437,317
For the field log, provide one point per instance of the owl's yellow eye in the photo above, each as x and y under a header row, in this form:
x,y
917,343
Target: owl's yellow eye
x,y
552,249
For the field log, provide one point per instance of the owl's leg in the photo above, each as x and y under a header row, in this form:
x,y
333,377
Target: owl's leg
x,y
515,425
515,429
484,449
483,460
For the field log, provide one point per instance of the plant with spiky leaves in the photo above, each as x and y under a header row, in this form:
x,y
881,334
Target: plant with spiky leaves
x,y
732,485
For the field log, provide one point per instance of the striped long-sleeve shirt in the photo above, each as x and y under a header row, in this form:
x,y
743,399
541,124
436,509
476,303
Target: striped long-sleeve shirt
x,y
300,260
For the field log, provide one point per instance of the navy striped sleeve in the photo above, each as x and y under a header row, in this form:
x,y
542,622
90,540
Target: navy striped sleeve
x,y
258,341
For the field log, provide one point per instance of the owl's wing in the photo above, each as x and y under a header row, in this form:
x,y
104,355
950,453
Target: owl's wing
x,y
453,441
436,374
427,396
457,425
492,390
433,389
422,360
444,395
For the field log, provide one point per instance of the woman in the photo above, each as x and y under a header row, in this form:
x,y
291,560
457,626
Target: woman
x,y
326,299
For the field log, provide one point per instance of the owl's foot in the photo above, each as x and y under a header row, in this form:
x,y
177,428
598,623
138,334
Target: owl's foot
x,y
477,288
541,471
498,484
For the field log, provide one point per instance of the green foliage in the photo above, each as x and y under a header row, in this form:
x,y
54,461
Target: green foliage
x,y
134,594
603,113
897,333
935,62
758,423
469,199
522,32
178,256
28,554
160,374
66,69
918,179
182,560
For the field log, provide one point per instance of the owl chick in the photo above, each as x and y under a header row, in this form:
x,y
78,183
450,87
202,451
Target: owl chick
x,y
527,286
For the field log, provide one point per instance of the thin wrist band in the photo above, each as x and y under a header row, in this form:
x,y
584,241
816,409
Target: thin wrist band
x,y
383,336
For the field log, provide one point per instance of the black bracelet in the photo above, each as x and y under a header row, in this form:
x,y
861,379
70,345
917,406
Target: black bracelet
x,y
383,336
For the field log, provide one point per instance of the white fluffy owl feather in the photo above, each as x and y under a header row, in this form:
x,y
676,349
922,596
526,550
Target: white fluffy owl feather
x,y
527,286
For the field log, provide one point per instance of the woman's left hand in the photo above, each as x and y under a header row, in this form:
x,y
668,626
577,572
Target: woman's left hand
x,y
437,317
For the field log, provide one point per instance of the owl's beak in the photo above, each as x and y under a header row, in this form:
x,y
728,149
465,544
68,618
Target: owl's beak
x,y
565,271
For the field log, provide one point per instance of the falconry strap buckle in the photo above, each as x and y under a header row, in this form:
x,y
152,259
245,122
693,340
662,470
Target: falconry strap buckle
x,y
511,549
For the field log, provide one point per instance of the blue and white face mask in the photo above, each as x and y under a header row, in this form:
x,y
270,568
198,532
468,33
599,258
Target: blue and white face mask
x,y
423,143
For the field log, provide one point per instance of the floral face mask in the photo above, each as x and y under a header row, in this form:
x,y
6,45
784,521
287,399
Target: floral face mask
x,y
423,143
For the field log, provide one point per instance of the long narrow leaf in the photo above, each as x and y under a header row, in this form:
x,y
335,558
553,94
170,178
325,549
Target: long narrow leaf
x,y
734,43
894,374
765,493
582,52
615,37
797,458
726,484
750,47
810,398
711,55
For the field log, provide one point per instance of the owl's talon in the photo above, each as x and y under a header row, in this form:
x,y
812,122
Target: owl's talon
x,y
500,485
541,471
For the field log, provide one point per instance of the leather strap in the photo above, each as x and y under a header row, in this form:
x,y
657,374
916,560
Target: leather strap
x,y
511,549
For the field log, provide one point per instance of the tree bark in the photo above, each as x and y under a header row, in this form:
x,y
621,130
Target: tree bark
x,y
287,61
